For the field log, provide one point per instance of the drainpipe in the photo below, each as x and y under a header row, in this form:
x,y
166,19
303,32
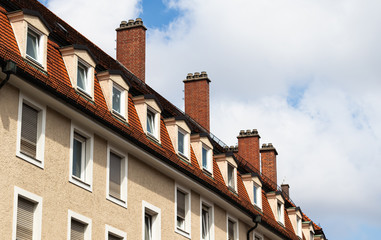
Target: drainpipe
x,y
10,67
257,219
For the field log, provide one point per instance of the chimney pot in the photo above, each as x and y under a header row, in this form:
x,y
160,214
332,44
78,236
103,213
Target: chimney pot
x,y
242,132
123,24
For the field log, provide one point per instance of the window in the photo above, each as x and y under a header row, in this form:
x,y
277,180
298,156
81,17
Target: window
x,y
83,78
207,227
81,163
183,215
118,100
280,212
206,159
257,193
151,123
117,177
182,143
231,176
27,215
299,226
31,132
79,227
33,46
114,234
232,227
151,222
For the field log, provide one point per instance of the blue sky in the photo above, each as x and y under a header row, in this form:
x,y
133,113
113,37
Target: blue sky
x,y
304,73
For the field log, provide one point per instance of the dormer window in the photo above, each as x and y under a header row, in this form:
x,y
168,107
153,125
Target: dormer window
x,y
80,64
203,150
295,217
179,132
31,32
149,111
227,164
308,230
253,186
115,89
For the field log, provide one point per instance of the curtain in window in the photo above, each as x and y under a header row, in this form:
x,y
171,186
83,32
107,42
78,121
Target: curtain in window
x,y
32,45
205,224
29,124
77,230
147,227
115,175
25,213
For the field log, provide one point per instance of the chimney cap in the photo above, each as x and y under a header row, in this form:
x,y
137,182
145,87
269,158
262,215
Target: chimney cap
x,y
131,24
268,147
197,77
248,133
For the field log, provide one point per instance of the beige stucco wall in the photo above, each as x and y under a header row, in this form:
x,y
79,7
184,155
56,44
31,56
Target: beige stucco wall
x,y
59,195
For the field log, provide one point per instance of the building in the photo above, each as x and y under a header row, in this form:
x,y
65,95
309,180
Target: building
x,y
90,151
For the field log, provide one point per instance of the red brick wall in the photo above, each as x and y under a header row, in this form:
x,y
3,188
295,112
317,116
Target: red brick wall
x,y
197,101
131,49
268,158
248,148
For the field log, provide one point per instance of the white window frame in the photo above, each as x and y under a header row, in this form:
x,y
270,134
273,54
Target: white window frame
x,y
259,195
155,213
211,217
209,159
116,232
256,234
88,78
299,226
122,106
40,53
80,218
124,167
37,215
280,215
187,231
236,228
186,142
40,146
85,183
155,126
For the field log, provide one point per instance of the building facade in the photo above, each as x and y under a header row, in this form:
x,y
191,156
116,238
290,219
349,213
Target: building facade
x,y
90,151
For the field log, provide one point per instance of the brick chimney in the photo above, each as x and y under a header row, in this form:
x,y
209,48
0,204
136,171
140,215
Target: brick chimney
x,y
286,189
248,147
268,158
131,46
197,98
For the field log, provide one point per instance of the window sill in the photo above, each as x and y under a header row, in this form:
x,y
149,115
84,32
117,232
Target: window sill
x,y
118,116
117,201
80,183
153,138
35,64
31,160
184,158
84,94
256,206
183,232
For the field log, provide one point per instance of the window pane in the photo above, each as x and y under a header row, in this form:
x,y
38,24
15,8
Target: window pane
x,y
116,99
32,45
29,124
231,232
181,210
231,182
79,144
25,212
147,227
115,175
205,223
77,230
204,158
255,194
81,77
150,122
180,142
